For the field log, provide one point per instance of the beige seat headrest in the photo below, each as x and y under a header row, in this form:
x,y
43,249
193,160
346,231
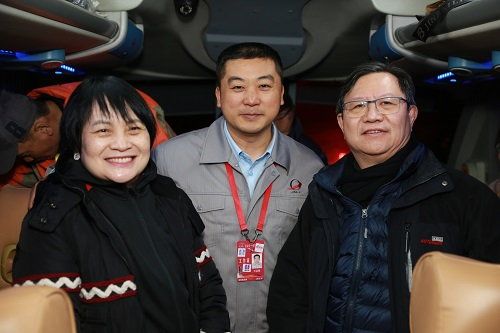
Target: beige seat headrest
x,y
13,208
453,294
36,309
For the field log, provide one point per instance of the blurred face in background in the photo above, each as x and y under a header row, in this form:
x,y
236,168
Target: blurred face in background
x,y
284,120
42,142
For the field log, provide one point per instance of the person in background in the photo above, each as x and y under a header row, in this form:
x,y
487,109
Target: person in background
x,y
124,242
347,265
495,185
288,123
37,149
15,126
246,179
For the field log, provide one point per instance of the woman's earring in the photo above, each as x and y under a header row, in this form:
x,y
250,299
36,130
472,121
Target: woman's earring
x,y
76,156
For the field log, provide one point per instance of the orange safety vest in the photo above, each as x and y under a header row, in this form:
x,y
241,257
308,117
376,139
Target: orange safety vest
x,y
26,175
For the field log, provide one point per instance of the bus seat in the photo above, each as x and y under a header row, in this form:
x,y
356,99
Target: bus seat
x,y
36,309
13,208
453,294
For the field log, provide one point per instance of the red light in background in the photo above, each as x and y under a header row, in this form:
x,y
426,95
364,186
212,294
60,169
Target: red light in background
x,y
320,124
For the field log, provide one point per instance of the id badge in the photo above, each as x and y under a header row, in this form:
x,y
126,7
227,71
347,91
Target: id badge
x,y
250,260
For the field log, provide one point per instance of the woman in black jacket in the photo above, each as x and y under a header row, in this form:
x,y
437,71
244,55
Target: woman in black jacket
x,y
124,242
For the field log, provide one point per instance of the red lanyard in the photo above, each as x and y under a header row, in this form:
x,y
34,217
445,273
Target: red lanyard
x,y
239,210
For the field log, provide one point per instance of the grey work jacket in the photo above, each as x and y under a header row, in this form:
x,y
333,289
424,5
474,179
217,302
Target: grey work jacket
x,y
196,162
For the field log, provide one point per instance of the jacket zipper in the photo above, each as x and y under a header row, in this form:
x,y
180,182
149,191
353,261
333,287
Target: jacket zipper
x,y
409,264
331,241
357,272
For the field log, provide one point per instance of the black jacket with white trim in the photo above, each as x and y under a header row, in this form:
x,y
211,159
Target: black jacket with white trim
x,y
71,240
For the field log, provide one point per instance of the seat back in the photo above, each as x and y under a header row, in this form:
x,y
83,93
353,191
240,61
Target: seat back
x,y
36,309
13,208
453,294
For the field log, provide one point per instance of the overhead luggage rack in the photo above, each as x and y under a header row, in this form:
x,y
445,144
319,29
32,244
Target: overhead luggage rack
x,y
87,37
469,31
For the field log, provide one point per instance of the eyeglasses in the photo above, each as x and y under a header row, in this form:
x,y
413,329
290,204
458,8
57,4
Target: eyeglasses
x,y
384,105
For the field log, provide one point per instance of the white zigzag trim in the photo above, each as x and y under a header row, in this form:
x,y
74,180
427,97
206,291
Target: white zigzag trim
x,y
112,288
203,255
62,282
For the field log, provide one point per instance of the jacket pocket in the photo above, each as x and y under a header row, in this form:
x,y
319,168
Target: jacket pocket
x,y
289,206
211,208
206,203
285,217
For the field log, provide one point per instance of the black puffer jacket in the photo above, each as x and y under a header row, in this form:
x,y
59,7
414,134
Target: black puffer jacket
x,y
132,259
438,210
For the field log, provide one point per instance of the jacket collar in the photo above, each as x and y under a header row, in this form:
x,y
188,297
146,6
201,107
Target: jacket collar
x,y
74,175
328,176
419,166
430,178
216,149
428,167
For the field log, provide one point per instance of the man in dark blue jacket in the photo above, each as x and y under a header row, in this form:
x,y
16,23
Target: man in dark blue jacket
x,y
347,265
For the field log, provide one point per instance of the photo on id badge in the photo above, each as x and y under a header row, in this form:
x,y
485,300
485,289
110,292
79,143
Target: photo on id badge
x,y
256,261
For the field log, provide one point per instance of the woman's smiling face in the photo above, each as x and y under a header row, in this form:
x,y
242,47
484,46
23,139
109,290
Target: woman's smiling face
x,y
114,149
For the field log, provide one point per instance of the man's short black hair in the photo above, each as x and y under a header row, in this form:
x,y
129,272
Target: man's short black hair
x,y
41,110
101,90
44,98
247,51
405,81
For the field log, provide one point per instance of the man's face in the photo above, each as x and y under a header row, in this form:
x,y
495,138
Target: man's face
x,y
38,148
250,95
373,138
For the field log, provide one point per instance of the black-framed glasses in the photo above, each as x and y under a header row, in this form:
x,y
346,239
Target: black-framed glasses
x,y
384,105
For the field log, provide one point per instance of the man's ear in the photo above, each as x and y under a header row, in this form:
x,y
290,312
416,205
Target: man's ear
x,y
413,113
42,126
282,94
340,120
217,96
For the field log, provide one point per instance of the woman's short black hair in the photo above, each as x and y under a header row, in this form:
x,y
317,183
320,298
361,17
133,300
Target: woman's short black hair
x,y
112,95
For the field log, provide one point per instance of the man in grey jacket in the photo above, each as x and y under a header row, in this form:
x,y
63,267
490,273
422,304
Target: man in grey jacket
x,y
246,179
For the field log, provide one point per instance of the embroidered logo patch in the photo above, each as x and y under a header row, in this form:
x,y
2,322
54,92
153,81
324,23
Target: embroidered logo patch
x,y
435,240
295,185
